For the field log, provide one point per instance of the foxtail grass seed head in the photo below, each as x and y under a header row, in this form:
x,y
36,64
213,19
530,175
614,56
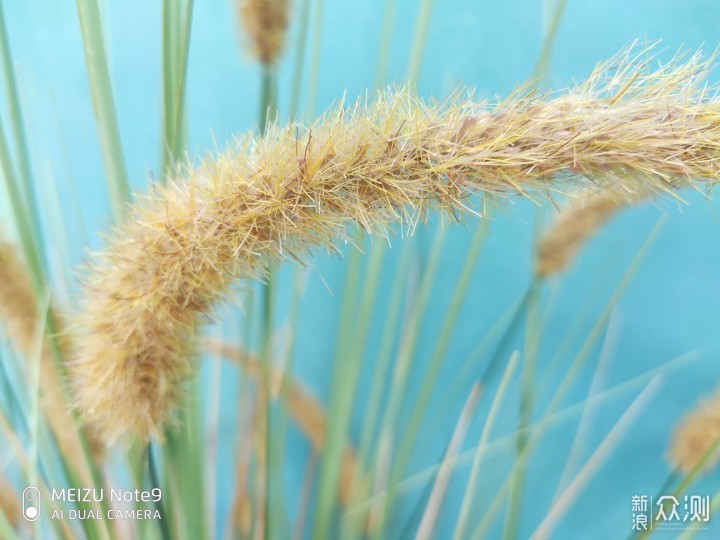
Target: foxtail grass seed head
x,y
20,319
574,226
696,435
380,164
265,22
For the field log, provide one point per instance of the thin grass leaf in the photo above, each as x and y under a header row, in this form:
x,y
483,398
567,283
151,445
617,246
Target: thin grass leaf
x,y
24,170
685,482
550,33
386,33
104,106
585,424
305,498
442,343
417,50
571,374
472,482
177,18
351,522
601,453
432,510
527,400
344,385
506,444
28,240
689,534
300,46
21,455
405,355
315,53
6,528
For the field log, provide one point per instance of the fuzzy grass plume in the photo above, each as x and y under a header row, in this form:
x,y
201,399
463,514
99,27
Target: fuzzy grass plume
x,y
696,438
265,22
378,165
575,225
20,319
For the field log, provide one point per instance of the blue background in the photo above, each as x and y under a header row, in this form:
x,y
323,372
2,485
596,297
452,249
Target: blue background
x,y
671,307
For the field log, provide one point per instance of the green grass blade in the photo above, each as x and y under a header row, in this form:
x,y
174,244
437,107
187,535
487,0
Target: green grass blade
x,y
176,31
417,50
344,384
506,444
352,521
268,98
432,510
611,440
6,530
181,82
570,376
527,398
183,467
472,483
441,345
300,47
18,133
169,16
385,41
315,53
543,62
104,106
22,218
405,355
714,507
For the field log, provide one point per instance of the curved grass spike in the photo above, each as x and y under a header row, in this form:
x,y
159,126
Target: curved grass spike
x,y
19,316
266,23
696,440
374,164
576,224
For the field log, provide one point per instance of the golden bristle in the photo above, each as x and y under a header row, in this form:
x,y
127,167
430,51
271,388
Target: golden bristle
x,y
265,22
574,226
20,319
696,435
378,165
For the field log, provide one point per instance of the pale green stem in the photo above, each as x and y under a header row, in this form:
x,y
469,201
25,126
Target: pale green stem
x,y
422,25
104,106
344,384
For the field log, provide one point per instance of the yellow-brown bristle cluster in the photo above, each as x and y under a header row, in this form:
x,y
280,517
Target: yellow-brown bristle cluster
x,y
696,435
265,22
20,319
574,226
378,165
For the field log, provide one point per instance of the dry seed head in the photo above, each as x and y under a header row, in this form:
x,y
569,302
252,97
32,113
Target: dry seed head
x,y
378,165
574,226
695,436
19,317
265,22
